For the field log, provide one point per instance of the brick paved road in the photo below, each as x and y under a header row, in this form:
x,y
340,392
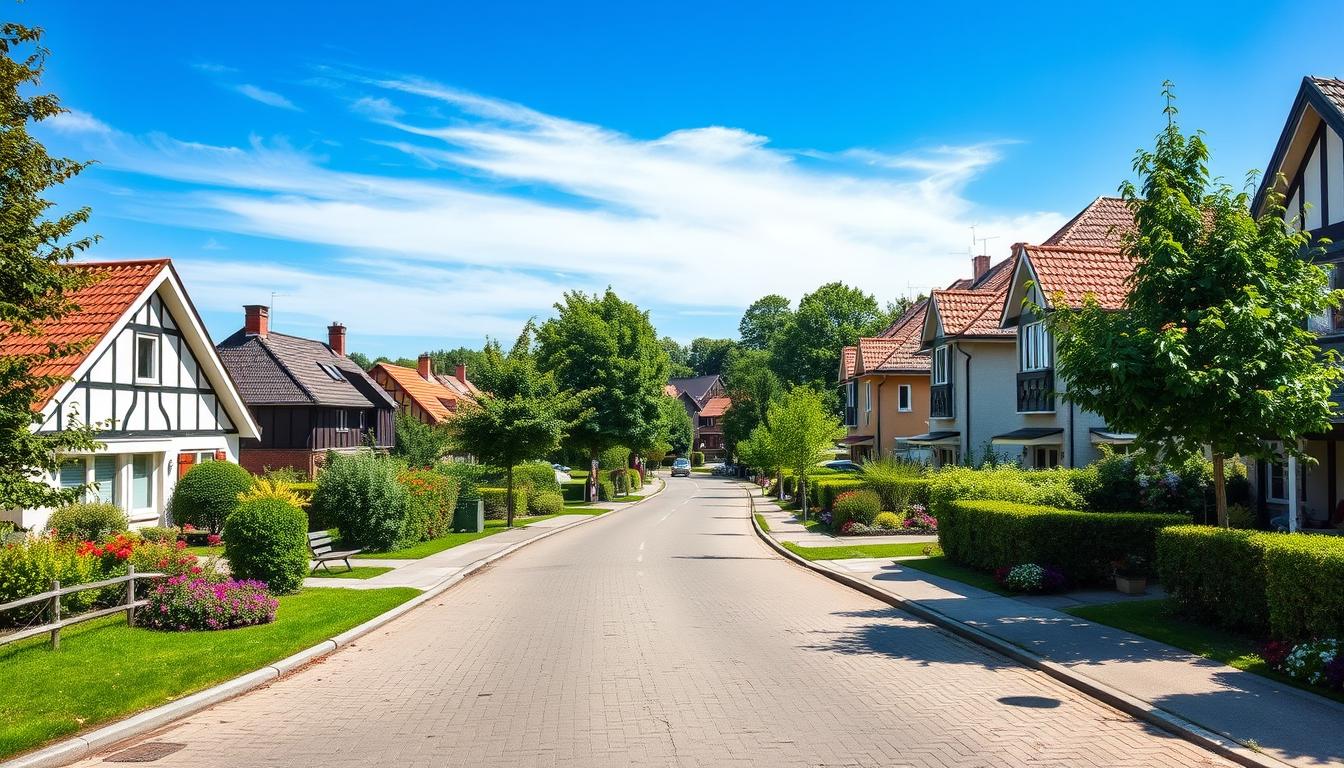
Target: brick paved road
x,y
665,635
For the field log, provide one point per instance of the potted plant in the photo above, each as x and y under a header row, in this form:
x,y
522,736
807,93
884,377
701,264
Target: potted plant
x,y
1131,575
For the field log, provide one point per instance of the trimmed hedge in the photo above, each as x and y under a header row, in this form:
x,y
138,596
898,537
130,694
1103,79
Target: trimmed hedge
x,y
267,540
697,459
497,502
545,503
1290,586
88,520
991,534
208,493
826,490
1049,488
573,490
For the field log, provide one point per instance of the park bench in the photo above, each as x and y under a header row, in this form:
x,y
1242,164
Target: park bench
x,y
319,543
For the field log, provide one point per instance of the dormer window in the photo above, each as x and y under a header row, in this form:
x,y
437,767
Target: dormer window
x,y
1035,347
146,358
940,370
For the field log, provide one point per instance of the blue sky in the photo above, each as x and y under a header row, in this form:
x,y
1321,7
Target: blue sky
x,y
430,173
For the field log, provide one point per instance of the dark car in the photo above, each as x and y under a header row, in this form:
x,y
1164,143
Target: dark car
x,y
681,467
842,465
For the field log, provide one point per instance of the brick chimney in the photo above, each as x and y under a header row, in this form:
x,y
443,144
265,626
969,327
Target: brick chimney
x,y
256,320
425,367
462,373
336,338
979,265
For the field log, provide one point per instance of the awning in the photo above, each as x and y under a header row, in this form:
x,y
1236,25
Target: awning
x,y
1102,435
856,440
932,438
1031,436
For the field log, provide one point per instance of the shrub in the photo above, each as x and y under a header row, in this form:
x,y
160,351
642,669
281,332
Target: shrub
x,y
206,495
88,521
535,476
573,490
697,459
270,489
1304,585
431,498
546,503
606,490
267,540
29,566
1215,575
1315,662
918,519
167,557
890,478
860,506
790,485
888,521
1240,516
616,457
991,534
469,477
360,495
185,602
1050,488
1030,578
160,534
497,501
825,491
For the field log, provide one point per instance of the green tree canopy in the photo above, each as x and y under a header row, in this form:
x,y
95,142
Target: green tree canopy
x,y
802,433
419,444
807,351
763,321
678,358
1212,348
35,285
708,356
675,428
751,385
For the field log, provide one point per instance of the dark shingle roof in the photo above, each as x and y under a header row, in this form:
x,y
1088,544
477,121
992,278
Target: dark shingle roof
x,y
283,370
698,388
1331,88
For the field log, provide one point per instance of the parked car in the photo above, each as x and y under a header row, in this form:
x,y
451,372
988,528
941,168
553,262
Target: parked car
x,y
842,465
560,468
725,470
681,467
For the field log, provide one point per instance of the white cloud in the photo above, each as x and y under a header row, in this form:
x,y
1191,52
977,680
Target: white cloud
x,y
213,68
73,122
379,108
269,98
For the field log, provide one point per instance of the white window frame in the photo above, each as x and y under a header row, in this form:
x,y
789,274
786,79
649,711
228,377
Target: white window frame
x,y
1044,451
1035,348
867,397
153,377
1279,468
940,365
905,395
342,420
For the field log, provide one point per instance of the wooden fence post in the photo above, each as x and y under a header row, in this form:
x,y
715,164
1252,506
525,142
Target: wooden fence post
x,y
130,596
56,615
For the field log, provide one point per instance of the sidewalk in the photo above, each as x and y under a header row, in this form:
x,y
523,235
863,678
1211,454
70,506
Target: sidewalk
x,y
784,526
1288,724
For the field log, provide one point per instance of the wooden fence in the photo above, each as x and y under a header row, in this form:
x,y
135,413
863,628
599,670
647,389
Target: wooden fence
x,y
53,600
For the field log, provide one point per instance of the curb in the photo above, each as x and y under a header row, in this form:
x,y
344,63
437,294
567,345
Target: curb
x,y
77,747
1170,722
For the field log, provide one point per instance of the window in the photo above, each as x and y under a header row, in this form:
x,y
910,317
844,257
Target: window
x,y
99,473
949,457
1035,347
940,365
342,424
142,481
1046,458
72,474
146,358
1277,489
868,397
903,397
332,371
105,479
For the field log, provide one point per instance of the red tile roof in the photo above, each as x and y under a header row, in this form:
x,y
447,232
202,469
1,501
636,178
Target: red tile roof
x,y
971,313
905,356
848,357
872,351
716,406
119,286
438,401
1102,224
1076,273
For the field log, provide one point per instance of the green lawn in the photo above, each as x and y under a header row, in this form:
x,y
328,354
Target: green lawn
x,y
106,670
631,497
814,525
339,571
853,551
761,521
1155,619
939,566
207,552
435,546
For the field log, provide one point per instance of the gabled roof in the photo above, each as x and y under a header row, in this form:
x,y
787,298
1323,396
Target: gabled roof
x,y
848,357
969,312
1318,98
716,406
1069,273
1102,224
871,353
433,398
697,388
905,358
280,369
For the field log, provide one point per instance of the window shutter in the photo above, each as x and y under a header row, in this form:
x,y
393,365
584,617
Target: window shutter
x,y
221,456
184,462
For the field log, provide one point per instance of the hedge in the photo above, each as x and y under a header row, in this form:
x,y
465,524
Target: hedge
x,y
1049,488
497,502
991,534
1290,586
267,540
826,490
573,490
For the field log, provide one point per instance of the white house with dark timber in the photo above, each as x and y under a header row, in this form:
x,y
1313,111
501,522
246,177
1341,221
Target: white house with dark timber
x,y
148,377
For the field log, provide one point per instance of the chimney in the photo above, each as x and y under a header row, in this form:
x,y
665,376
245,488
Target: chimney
x,y
336,338
425,367
256,320
462,373
980,265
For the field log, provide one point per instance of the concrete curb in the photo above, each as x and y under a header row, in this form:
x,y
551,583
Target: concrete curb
x,y
77,747
1168,721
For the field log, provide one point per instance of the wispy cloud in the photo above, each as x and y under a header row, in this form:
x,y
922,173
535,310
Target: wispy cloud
x,y
213,68
380,108
73,121
269,98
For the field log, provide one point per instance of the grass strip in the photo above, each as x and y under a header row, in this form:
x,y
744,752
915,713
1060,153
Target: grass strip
x,y
857,551
359,572
761,521
939,565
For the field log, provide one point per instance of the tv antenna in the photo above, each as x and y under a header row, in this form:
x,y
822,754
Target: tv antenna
x,y
984,240
270,310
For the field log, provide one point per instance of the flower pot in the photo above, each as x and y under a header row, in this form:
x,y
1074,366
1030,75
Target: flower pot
x,y
1131,585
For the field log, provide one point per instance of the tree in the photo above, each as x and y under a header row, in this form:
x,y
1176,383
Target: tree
x,y
606,349
523,419
758,450
763,321
36,285
802,434
830,318
895,308
360,359
678,358
675,427
420,444
1212,348
707,356
751,385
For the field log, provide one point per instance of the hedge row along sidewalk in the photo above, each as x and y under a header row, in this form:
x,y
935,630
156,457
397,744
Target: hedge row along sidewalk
x,y
1169,687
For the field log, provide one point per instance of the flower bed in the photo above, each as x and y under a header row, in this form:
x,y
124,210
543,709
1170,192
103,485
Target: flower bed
x,y
1031,579
188,602
1318,662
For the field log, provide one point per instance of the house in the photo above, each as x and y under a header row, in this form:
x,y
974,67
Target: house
x,y
706,401
431,398
1307,169
886,387
149,377
307,396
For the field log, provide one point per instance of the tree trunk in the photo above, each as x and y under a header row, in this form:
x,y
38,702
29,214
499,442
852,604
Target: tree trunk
x,y
802,493
1219,489
509,500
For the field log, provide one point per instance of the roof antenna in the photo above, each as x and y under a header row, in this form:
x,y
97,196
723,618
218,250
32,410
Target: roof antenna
x,y
984,240
270,311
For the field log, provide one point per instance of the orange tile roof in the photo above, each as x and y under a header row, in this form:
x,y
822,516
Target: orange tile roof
x,y
1102,224
848,356
872,351
971,313
1078,272
433,398
119,286
716,406
905,356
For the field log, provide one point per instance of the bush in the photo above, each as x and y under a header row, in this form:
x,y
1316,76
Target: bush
x,y
1304,585
606,490
278,490
573,490
1215,575
267,540
1049,488
545,503
697,459
1317,662
88,521
860,506
28,568
891,480
469,477
1030,578
616,457
991,534
185,602
431,498
918,519
360,495
1240,516
497,502
159,534
535,476
889,521
824,491
206,495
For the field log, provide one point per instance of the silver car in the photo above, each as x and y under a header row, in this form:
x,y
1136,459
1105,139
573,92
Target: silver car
x,y
681,467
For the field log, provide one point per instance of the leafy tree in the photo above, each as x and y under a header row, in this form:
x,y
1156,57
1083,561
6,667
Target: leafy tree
x,y
758,450
828,319
420,444
606,349
751,385
523,419
36,286
360,359
707,356
678,358
802,433
763,321
1212,348
675,427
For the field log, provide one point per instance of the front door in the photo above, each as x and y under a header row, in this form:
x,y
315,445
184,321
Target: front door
x,y
1045,457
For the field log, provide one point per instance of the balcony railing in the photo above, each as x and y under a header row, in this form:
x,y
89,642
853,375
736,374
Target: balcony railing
x,y
940,401
1036,391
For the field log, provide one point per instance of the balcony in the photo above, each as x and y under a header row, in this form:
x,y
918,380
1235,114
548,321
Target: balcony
x,y
940,401
1036,391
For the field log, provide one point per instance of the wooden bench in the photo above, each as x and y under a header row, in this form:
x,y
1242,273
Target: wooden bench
x,y
319,543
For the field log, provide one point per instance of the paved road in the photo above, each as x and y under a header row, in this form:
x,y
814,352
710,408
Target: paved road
x,y
664,635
